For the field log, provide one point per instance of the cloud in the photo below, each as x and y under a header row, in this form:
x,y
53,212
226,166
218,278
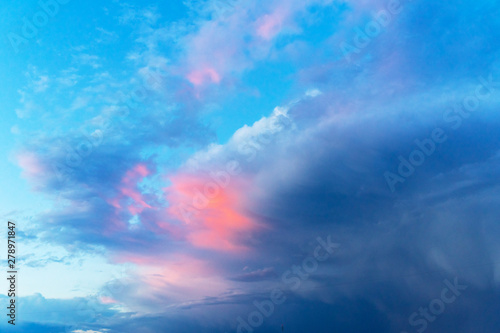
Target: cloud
x,y
258,275
211,209
223,48
213,233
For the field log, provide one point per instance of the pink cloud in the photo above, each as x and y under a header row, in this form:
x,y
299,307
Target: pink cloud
x,y
269,25
31,165
129,192
178,277
225,47
213,213
199,77
108,300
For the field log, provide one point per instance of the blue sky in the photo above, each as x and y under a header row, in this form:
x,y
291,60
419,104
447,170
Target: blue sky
x,y
236,166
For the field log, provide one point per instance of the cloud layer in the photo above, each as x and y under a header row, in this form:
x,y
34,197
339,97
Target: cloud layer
x,y
389,150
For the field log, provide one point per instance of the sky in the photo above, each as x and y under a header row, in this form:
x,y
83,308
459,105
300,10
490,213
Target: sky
x,y
251,166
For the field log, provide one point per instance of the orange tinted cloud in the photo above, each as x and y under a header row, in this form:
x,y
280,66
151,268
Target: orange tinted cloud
x,y
211,207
